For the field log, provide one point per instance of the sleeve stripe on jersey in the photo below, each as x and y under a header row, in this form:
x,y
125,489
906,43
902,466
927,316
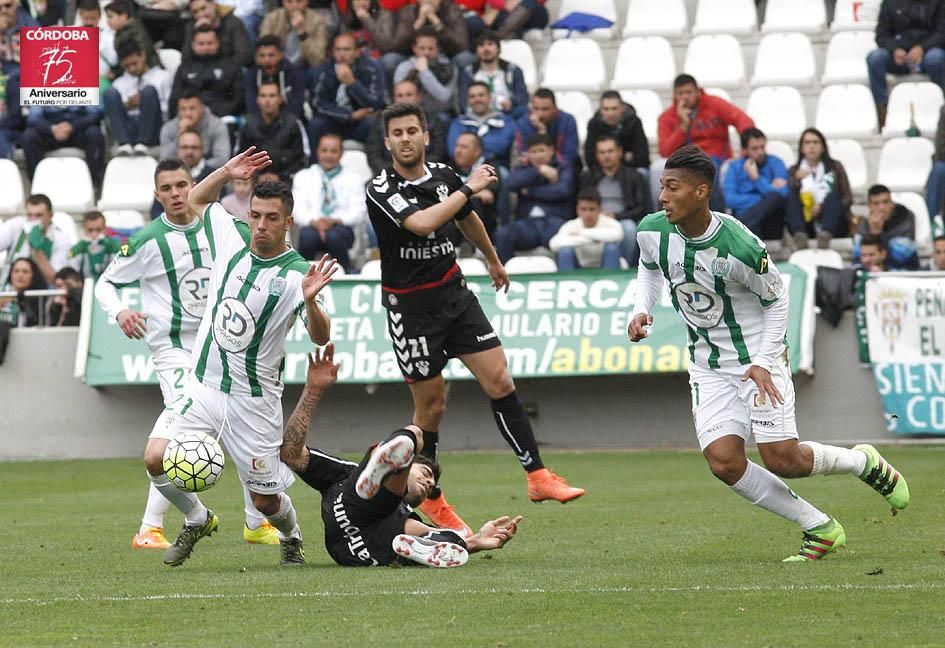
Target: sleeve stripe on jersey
x,y
384,209
342,462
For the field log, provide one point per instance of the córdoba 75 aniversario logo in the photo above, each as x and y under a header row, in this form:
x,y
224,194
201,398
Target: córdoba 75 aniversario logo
x,y
59,66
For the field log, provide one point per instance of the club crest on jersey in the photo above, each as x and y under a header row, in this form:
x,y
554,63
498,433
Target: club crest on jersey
x,y
720,267
277,286
443,192
699,306
397,202
423,367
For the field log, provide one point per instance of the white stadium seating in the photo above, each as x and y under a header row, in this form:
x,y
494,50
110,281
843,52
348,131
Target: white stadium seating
x,y
846,57
778,111
780,149
66,223
170,59
603,8
925,98
579,105
784,59
371,269
124,219
574,64
716,60
808,16
846,17
648,105
67,182
813,258
658,71
519,52
846,111
530,264
11,198
656,18
904,163
850,154
725,17
923,224
128,184
472,267
357,162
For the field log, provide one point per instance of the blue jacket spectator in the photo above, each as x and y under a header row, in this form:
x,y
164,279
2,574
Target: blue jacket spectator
x,y
346,91
53,128
272,66
505,80
495,129
756,187
544,118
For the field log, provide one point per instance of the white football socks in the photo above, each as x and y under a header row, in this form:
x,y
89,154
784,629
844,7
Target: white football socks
x,y
254,518
762,488
831,460
154,510
187,503
285,519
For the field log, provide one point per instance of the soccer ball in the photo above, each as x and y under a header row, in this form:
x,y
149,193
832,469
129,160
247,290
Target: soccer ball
x,y
193,461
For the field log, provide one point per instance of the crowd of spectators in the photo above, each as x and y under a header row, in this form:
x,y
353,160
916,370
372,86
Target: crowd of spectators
x,y
301,77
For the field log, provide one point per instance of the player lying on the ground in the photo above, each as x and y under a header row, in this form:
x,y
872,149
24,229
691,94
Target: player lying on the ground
x,y
367,508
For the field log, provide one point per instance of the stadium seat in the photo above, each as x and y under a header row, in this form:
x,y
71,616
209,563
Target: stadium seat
x,y
67,182
603,8
721,93
848,17
519,52
846,57
357,162
11,198
656,18
725,17
371,269
648,105
170,59
851,155
127,220
128,184
716,60
579,105
644,62
66,223
778,111
781,150
808,16
814,258
923,224
473,267
846,111
904,163
530,264
784,59
574,64
924,98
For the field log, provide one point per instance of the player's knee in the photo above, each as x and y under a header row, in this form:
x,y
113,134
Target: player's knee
x,y
433,407
786,465
154,457
265,504
727,471
499,383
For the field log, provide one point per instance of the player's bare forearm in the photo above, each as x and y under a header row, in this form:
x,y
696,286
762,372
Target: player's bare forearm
x,y
319,324
207,190
473,229
293,452
428,220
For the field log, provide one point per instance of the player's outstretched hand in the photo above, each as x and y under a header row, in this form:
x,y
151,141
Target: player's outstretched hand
x,y
319,276
134,324
481,178
637,327
495,533
766,386
500,276
248,163
322,368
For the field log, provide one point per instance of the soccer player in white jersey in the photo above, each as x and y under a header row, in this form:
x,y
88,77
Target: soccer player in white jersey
x,y
735,308
258,286
170,259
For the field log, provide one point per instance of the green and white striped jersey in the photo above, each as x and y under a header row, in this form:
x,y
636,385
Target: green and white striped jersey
x,y
171,264
719,283
253,304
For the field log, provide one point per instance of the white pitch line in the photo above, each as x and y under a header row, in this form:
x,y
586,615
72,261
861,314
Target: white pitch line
x,y
692,589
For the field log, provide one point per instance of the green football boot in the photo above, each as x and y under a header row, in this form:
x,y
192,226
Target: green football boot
x,y
180,551
884,479
820,542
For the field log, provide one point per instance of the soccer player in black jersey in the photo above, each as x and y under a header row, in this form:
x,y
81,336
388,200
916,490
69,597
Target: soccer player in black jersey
x,y
432,316
367,507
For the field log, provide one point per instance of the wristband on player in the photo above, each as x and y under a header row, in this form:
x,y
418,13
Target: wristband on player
x,y
467,191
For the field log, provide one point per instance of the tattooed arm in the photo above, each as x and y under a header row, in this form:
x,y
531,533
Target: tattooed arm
x,y
322,373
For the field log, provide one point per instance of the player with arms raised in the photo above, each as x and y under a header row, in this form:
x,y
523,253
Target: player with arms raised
x,y
170,259
258,286
735,308
432,315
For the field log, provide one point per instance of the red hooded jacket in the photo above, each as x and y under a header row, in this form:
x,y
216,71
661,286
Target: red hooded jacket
x,y
708,127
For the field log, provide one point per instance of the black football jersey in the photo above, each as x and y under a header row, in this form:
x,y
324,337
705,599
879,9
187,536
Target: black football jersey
x,y
417,272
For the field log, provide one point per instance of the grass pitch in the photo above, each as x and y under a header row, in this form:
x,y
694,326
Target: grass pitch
x,y
657,553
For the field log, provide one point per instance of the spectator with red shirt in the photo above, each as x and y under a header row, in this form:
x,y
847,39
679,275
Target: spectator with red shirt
x,y
510,18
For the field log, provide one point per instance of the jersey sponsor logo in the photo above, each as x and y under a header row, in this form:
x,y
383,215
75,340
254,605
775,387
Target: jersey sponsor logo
x,y
397,203
192,289
234,326
277,286
487,336
720,267
355,542
249,283
699,306
427,250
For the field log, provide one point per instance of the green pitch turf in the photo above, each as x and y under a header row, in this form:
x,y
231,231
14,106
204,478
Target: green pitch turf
x,y
657,553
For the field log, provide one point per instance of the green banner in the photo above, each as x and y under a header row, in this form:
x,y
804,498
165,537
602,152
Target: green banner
x,y
562,324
